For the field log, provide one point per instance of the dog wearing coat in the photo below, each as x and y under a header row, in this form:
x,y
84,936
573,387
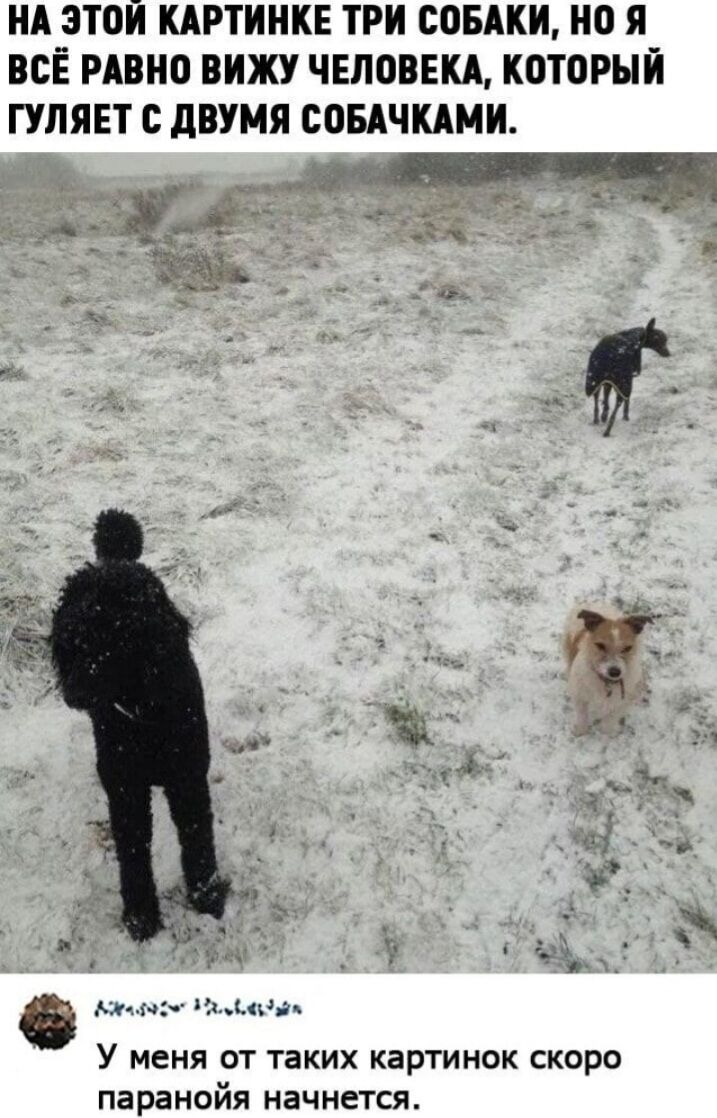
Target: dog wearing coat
x,y
121,652
613,365
602,655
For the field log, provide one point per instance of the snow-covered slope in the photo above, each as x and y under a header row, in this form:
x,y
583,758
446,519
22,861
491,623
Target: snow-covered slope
x,y
370,478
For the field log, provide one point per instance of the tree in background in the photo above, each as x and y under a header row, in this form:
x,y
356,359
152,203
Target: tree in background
x,y
42,171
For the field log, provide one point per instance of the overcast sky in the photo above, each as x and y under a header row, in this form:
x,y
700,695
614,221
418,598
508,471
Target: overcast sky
x,y
174,164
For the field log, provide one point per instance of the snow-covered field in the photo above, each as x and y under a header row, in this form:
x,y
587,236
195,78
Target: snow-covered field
x,y
370,478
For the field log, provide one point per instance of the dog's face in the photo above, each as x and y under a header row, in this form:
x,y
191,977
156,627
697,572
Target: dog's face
x,y
611,645
656,339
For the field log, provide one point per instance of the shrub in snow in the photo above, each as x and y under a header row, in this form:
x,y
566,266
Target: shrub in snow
x,y
195,266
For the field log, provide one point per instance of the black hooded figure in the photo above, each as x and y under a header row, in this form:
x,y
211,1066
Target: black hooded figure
x,y
614,363
121,652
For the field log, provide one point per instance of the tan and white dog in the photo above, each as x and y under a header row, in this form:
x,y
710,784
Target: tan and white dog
x,y
602,653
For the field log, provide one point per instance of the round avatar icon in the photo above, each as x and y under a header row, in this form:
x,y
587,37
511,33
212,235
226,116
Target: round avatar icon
x,y
48,1022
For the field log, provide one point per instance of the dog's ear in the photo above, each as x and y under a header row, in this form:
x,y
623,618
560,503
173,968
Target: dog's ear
x,y
591,619
638,621
651,325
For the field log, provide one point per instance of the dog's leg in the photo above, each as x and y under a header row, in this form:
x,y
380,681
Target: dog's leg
x,y
611,420
581,724
612,724
596,405
131,820
191,809
605,401
626,408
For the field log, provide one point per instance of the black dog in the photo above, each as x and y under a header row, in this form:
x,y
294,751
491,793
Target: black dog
x,y
121,652
614,362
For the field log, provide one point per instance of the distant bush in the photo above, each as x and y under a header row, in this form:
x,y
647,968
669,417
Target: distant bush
x,y
180,206
195,266
148,205
346,170
48,170
65,228
473,167
465,166
199,207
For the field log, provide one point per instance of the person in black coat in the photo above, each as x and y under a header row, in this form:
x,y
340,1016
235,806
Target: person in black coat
x,y
121,651
613,364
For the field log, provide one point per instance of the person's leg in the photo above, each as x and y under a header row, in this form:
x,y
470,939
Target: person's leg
x,y
131,820
191,809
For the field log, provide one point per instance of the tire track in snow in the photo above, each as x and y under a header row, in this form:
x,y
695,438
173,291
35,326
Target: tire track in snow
x,y
562,482
622,828
501,865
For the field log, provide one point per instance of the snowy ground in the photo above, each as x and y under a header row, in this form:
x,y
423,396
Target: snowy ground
x,y
369,477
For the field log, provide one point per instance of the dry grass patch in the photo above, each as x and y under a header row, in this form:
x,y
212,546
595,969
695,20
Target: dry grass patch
x,y
193,266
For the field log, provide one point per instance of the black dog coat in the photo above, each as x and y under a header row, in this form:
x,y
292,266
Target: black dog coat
x,y
615,361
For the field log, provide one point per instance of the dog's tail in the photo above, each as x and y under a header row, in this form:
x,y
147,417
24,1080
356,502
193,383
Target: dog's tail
x,y
117,535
